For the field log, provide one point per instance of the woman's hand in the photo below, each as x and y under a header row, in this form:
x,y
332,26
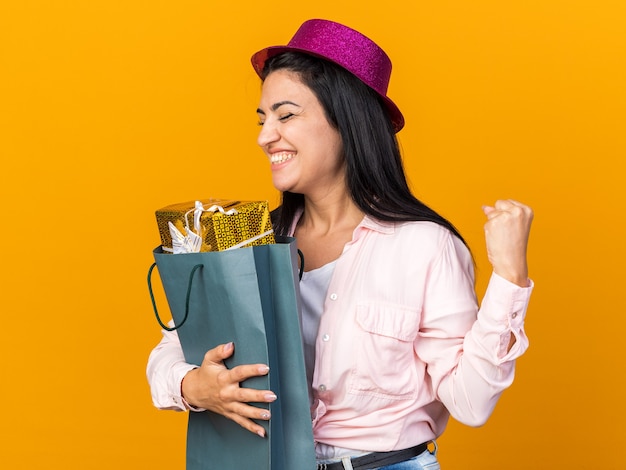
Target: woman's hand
x,y
214,387
506,233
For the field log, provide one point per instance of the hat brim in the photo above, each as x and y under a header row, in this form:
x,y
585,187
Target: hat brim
x,y
258,63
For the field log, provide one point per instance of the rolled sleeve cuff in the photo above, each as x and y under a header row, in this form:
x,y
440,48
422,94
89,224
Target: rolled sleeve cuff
x,y
503,311
169,397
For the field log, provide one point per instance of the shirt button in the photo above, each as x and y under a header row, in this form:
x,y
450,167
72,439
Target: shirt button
x,y
514,315
326,337
333,296
322,388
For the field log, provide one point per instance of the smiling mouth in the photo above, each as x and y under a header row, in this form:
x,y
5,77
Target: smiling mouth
x,y
281,157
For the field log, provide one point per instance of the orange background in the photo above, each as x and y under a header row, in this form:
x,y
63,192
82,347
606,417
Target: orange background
x,y
112,109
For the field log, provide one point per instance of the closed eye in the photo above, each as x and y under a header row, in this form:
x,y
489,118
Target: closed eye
x,y
285,117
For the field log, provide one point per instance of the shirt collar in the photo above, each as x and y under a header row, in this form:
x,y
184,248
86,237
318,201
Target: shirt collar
x,y
376,225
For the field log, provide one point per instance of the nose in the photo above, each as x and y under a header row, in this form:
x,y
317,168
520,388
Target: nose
x,y
268,134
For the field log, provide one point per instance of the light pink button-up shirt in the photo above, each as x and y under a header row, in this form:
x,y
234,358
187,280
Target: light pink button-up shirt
x,y
401,344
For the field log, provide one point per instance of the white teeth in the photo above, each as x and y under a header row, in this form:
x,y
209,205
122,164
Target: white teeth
x,y
281,157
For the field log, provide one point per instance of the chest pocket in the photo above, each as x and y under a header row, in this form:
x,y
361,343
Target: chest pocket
x,y
385,362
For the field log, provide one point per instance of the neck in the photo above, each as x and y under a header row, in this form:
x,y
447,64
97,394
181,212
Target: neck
x,y
329,213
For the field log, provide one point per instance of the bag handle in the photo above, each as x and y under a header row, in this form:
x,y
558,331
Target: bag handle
x,y
156,312
301,270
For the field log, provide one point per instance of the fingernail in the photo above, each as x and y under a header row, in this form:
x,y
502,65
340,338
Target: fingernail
x,y
261,433
228,346
270,397
264,369
265,416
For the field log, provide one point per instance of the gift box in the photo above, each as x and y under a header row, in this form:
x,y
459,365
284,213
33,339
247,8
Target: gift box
x,y
214,225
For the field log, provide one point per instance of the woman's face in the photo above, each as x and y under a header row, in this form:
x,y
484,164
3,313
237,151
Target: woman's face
x,y
304,150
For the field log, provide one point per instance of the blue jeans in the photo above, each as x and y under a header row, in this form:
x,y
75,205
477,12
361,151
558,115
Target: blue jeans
x,y
425,461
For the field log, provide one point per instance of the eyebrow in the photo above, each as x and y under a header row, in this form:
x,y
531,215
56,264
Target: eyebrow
x,y
275,106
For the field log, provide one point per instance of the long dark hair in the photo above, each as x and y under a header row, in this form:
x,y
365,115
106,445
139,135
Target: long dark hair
x,y
374,171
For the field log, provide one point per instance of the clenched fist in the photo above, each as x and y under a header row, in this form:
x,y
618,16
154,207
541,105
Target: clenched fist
x,y
506,232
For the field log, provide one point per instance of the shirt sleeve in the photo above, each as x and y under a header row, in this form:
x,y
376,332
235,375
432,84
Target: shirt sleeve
x,y
466,348
165,372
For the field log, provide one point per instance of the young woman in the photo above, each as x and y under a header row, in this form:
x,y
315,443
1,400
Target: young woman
x,y
394,340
